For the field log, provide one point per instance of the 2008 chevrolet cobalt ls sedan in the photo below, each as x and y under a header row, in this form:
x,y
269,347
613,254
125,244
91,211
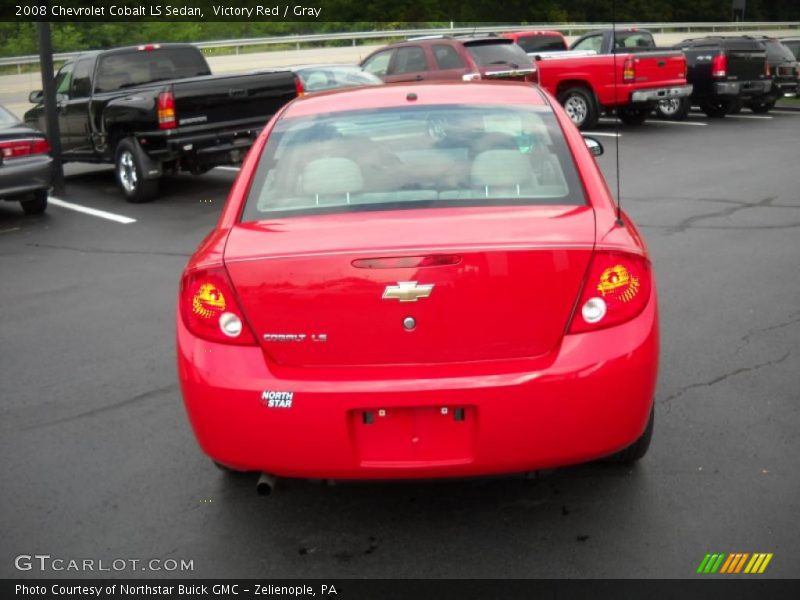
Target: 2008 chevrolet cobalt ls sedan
x,y
419,281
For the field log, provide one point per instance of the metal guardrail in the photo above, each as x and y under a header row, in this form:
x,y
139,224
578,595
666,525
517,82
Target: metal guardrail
x,y
354,36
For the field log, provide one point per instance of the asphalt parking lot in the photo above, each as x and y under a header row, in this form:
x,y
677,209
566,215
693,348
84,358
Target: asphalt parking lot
x,y
99,461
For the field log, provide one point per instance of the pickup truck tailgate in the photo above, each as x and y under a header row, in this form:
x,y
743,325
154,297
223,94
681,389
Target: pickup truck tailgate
x,y
746,64
667,68
217,99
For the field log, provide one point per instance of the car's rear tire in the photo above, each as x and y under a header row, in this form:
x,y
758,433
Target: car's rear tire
x,y
637,449
129,172
633,116
36,203
716,109
762,108
674,109
580,106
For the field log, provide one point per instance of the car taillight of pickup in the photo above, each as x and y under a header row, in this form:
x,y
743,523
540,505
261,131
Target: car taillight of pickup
x,y
155,109
613,70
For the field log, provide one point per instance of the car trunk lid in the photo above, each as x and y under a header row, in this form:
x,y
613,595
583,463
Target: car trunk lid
x,y
479,283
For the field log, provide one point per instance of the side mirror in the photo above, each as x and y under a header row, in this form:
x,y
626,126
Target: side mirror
x,y
595,147
35,97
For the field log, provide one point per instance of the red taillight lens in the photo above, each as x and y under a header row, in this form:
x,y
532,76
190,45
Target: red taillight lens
x,y
767,70
629,69
209,308
298,87
617,289
24,147
165,105
719,66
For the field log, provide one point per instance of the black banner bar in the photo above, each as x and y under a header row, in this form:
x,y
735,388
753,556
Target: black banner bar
x,y
368,12
729,588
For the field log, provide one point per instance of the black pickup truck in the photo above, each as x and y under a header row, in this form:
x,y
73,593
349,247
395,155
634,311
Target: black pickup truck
x,y
724,72
156,109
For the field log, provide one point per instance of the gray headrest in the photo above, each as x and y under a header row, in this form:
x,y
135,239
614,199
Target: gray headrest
x,y
500,168
326,176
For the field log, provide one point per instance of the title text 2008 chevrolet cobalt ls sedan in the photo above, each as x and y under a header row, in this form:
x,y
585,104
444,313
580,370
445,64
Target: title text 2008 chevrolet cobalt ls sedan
x,y
419,281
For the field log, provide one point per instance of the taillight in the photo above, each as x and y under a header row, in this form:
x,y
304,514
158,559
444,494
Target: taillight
x,y
617,289
24,147
298,87
209,308
719,66
165,105
629,69
471,77
767,70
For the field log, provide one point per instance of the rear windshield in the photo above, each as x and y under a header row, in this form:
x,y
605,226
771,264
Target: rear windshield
x,y
496,52
777,52
413,157
138,67
541,43
316,79
794,47
743,45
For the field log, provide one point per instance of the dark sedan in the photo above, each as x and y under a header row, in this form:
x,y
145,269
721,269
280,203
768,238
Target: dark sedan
x,y
26,168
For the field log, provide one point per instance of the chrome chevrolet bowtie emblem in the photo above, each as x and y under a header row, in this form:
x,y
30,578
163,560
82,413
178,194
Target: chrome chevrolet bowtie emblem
x,y
407,291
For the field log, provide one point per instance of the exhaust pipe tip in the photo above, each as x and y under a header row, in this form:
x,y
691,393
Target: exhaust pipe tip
x,y
265,485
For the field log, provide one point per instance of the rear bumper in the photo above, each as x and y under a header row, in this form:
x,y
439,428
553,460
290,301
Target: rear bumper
x,y
209,147
741,88
590,398
786,87
21,176
665,93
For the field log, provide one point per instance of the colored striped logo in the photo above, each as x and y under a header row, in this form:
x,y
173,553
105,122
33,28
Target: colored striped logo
x,y
738,562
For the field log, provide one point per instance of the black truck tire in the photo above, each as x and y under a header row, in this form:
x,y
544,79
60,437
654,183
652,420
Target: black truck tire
x,y
637,449
579,104
716,109
762,108
129,171
36,203
674,109
633,116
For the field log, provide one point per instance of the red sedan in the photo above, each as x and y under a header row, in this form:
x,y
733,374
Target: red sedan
x,y
419,281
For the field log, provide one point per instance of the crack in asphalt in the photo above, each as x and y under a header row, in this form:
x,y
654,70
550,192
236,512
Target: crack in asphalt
x,y
746,337
718,200
688,222
107,251
723,227
738,205
725,376
154,393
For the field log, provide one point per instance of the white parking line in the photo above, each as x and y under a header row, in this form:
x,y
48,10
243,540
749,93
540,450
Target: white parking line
x,y
602,133
224,168
747,117
661,122
102,214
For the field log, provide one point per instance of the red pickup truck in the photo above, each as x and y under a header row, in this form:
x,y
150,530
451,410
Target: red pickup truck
x,y
629,79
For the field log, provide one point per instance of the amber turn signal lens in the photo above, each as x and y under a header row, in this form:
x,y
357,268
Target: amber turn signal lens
x,y
208,301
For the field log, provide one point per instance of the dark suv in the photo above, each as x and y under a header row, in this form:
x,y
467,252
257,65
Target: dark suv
x,y
783,70
448,58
